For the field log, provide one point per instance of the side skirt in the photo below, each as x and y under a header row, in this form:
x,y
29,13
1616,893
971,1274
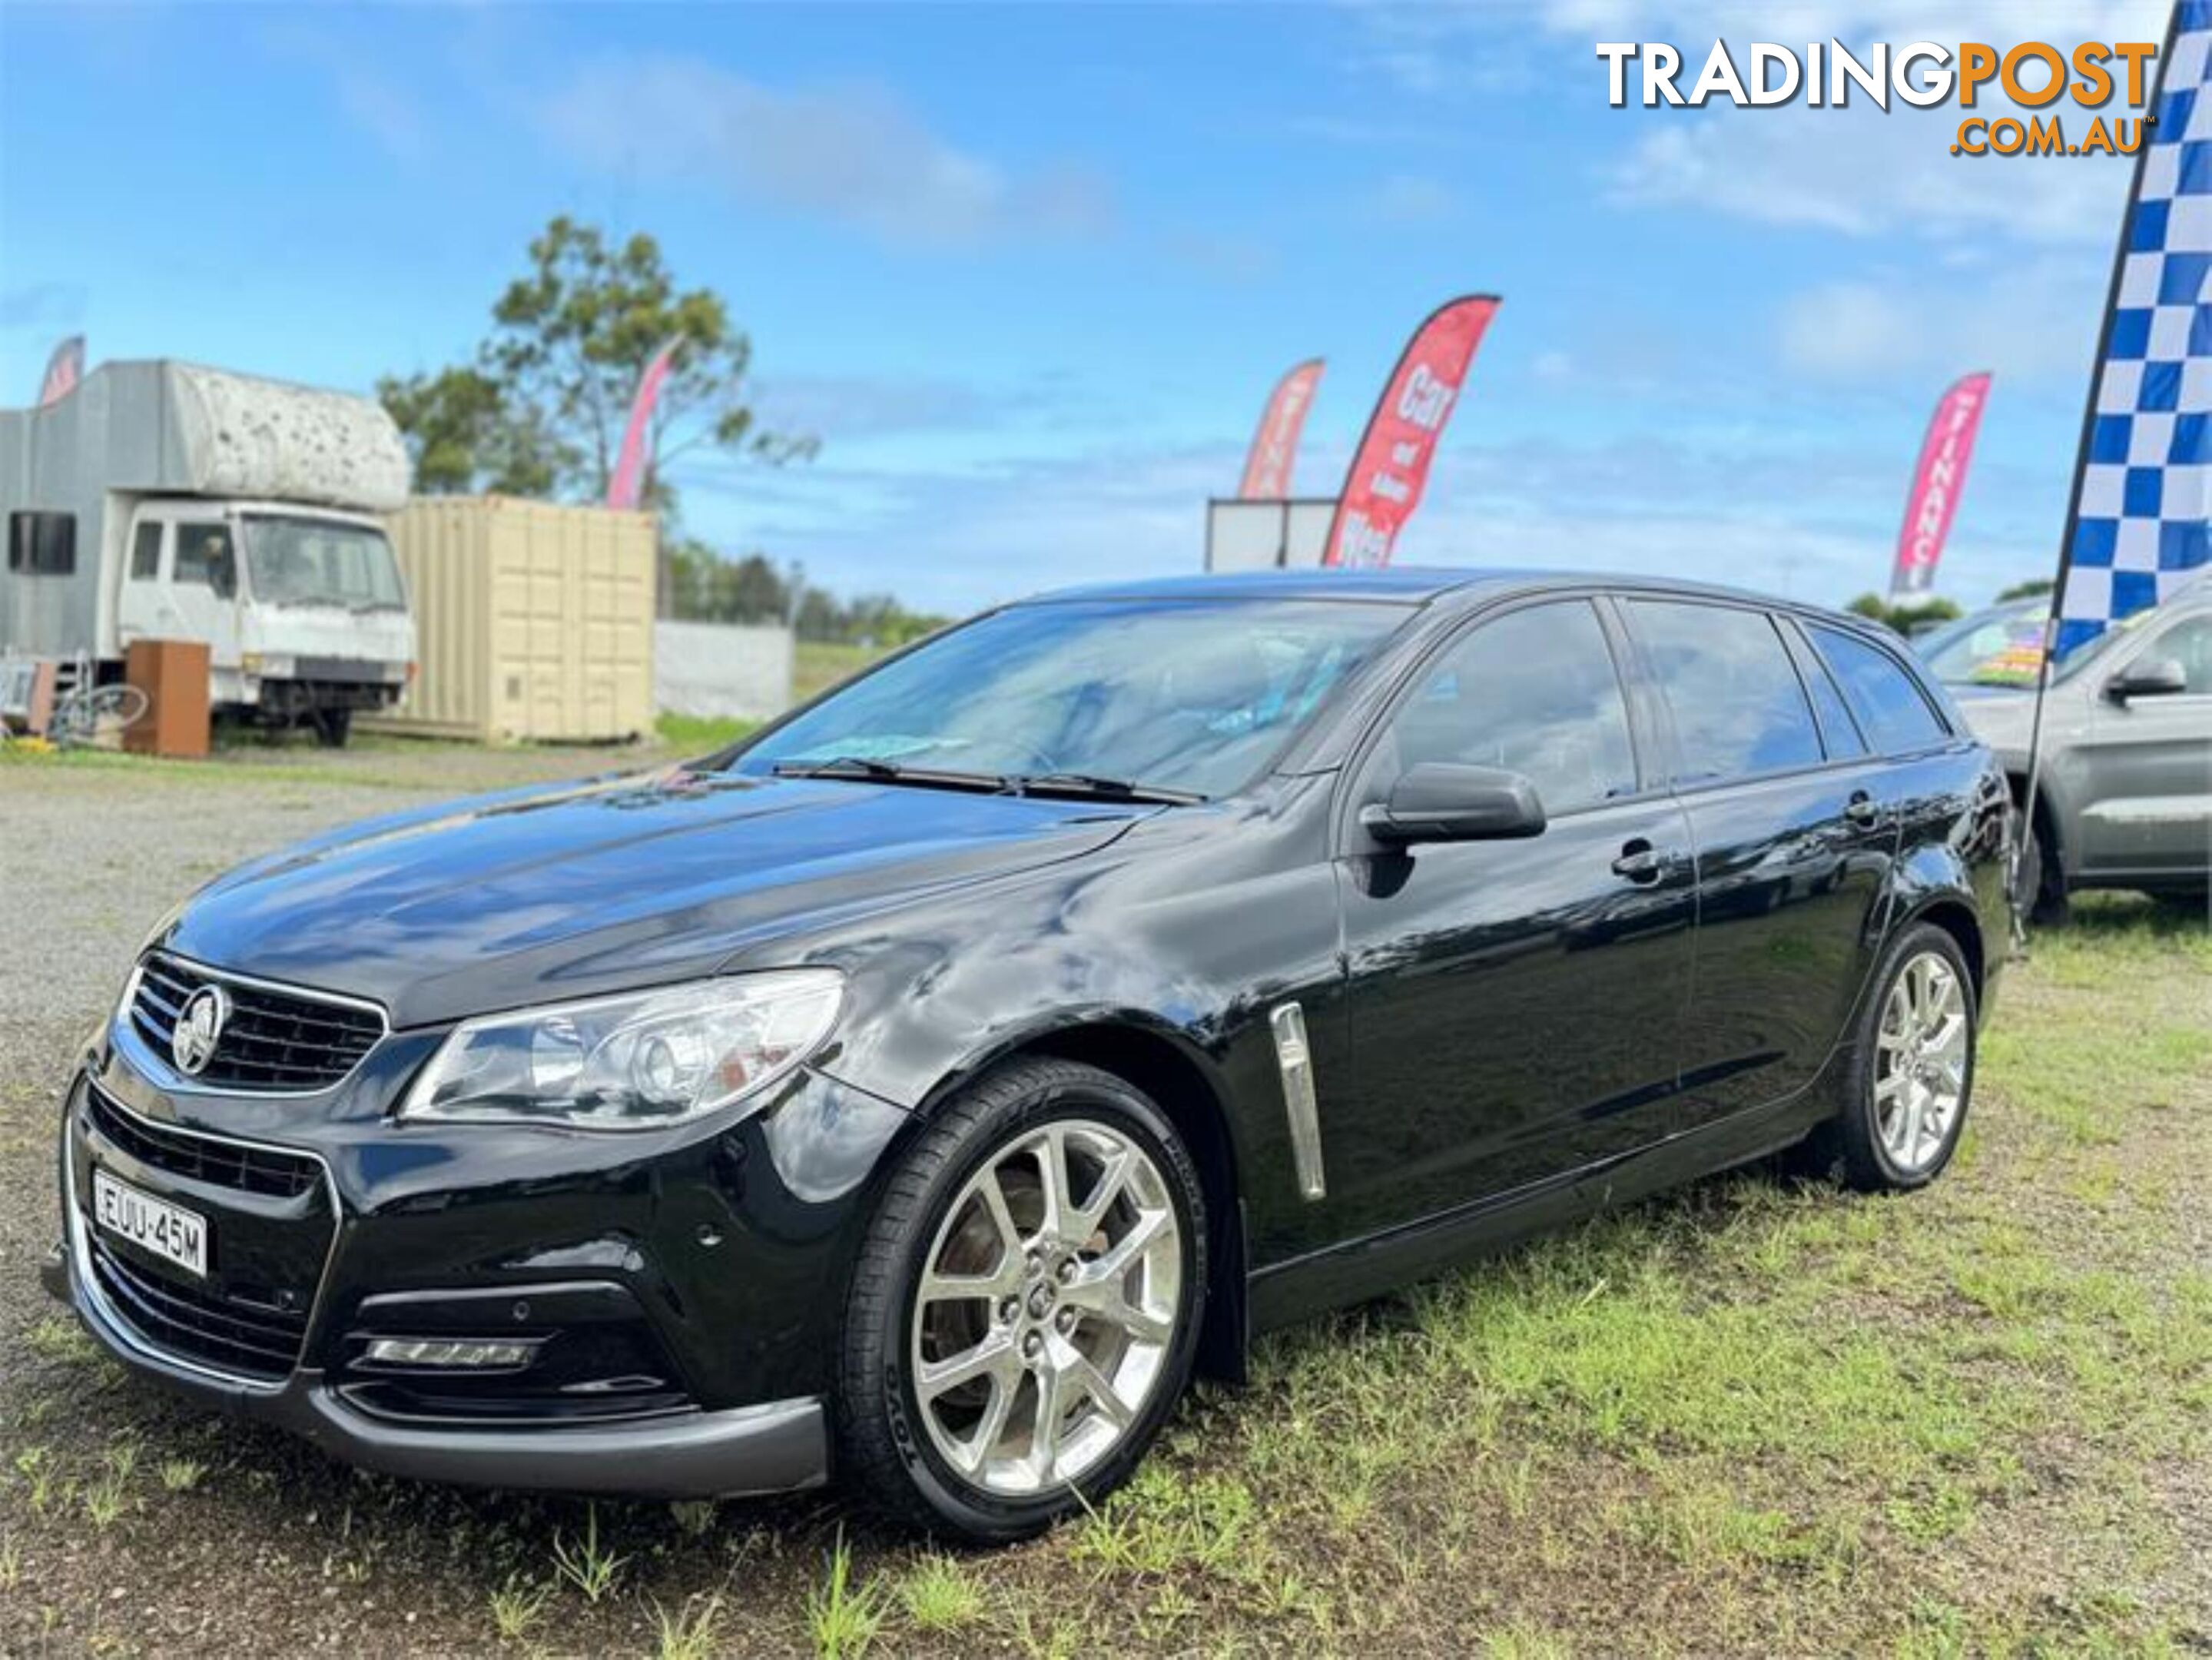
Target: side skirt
x,y
1377,1263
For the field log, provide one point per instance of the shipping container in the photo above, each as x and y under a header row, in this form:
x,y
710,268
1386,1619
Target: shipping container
x,y
535,619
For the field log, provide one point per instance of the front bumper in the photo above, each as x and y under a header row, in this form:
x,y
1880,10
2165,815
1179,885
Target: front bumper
x,y
773,1447
676,1294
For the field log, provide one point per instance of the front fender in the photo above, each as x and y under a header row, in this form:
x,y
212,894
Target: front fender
x,y
1178,942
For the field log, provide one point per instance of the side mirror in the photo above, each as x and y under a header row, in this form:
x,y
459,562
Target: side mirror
x,y
1440,801
2148,677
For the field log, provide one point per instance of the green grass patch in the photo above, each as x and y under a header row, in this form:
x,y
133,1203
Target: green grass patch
x,y
696,735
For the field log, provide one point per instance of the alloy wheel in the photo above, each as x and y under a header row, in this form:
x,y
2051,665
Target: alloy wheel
x,y
1920,1062
1046,1307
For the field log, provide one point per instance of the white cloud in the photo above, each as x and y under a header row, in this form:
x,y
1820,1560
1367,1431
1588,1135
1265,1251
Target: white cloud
x,y
42,306
1226,256
1411,199
852,152
1747,499
958,540
854,408
1865,172
2028,321
1859,172
388,108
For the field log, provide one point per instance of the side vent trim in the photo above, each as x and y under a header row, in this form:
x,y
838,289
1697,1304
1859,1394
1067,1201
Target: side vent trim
x,y
1294,1059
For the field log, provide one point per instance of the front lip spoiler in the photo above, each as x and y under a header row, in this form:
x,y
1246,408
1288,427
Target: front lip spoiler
x,y
773,1447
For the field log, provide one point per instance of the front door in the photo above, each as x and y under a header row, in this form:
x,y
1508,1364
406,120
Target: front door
x,y
203,589
1513,1005
2149,765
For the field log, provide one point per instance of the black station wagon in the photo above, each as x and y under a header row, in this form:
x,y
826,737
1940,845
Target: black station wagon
x,y
918,1090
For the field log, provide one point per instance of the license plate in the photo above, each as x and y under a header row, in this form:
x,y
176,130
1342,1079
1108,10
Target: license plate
x,y
170,1232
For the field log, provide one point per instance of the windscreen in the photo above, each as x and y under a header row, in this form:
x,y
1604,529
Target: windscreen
x,y
2001,647
303,560
1195,696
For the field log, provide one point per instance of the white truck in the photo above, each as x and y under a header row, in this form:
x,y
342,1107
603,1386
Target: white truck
x,y
164,500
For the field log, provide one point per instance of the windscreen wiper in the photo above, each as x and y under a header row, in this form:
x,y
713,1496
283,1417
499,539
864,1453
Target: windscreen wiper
x,y
1108,789
890,772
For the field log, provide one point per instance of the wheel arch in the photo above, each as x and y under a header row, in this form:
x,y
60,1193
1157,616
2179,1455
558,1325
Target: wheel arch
x,y
1957,918
1170,1071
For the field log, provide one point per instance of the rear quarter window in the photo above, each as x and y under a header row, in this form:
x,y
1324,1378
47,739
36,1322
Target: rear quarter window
x,y
1738,707
1893,711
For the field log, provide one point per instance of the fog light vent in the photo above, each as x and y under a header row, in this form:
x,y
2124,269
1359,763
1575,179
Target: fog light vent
x,y
448,1353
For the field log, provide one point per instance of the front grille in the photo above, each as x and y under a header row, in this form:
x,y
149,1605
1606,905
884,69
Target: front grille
x,y
224,1164
274,1040
234,1330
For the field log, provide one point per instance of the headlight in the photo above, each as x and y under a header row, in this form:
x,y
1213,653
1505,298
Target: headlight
x,y
642,1060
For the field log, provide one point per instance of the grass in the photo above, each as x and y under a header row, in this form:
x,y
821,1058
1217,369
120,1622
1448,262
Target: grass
x,y
696,735
939,1593
517,1608
842,1618
1757,1417
689,1633
818,664
591,1568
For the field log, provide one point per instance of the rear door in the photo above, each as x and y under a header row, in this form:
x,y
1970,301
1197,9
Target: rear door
x,y
1513,1005
1795,825
2148,769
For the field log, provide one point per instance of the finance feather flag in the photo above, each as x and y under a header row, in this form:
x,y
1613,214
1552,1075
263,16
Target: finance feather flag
x,y
1937,483
2142,495
1275,445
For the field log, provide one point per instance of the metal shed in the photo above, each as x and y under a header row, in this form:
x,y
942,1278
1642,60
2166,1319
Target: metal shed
x,y
535,619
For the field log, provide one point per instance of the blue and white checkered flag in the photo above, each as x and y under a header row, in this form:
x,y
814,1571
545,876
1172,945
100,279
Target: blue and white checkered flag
x,y
2141,524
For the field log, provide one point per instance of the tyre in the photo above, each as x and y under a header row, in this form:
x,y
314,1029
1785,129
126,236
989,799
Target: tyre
x,y
1909,1075
2186,902
1024,1306
332,727
2040,889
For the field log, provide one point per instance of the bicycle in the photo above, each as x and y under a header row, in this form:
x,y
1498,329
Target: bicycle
x,y
83,716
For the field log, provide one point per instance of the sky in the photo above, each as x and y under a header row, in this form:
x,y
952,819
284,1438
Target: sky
x,y
1029,271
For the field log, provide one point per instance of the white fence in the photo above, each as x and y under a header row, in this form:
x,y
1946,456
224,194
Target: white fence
x,y
727,669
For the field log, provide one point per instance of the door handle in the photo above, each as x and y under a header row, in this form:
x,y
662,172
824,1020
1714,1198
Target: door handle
x,y
1638,862
1861,809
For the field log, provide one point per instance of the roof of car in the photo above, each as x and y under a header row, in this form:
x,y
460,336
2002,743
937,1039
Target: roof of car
x,y
1409,585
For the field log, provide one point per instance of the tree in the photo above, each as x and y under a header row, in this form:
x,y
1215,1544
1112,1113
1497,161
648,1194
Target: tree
x,y
575,335
2041,585
1906,616
465,438
707,588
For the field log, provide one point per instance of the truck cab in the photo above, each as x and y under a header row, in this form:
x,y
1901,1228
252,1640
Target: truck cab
x,y
303,609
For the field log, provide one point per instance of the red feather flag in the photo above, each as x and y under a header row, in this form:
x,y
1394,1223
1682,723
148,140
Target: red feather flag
x,y
1391,467
1275,445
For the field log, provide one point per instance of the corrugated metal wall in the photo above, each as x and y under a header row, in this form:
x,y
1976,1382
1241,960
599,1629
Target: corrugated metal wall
x,y
535,619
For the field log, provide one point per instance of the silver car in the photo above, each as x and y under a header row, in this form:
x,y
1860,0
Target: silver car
x,y
2125,797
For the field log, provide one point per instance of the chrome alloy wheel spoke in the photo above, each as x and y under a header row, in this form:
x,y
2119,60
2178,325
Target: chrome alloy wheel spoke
x,y
1043,1317
1920,1062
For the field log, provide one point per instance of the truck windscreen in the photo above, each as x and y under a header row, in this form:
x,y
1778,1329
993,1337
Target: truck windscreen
x,y
302,560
